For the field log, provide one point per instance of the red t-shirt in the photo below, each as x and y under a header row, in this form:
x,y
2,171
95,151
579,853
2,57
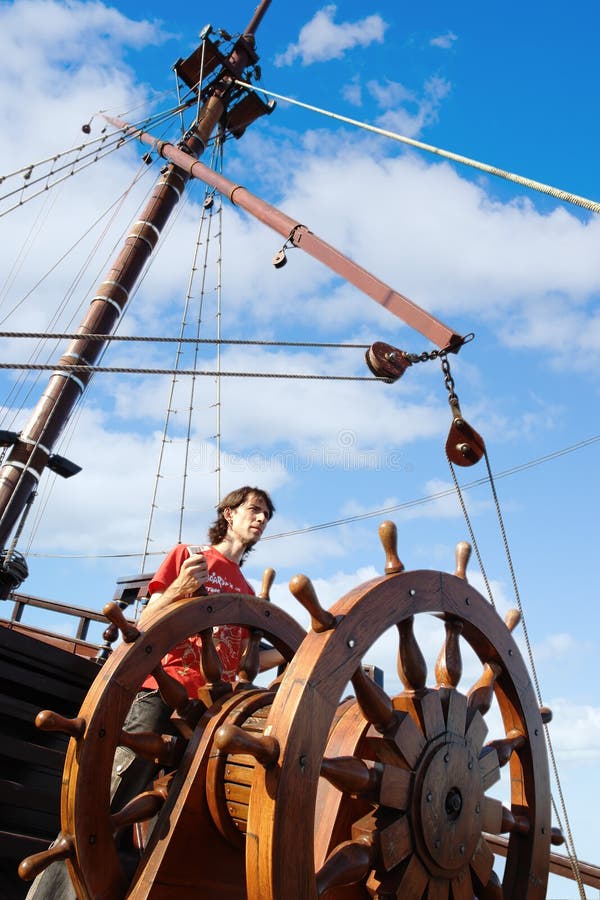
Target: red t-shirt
x,y
183,661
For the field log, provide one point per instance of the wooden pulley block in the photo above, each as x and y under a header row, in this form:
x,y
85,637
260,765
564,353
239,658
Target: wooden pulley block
x,y
464,446
386,361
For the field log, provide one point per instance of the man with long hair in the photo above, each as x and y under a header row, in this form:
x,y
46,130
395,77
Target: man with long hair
x,y
241,520
216,567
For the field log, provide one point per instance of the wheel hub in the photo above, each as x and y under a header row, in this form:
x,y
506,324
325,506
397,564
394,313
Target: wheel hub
x,y
447,808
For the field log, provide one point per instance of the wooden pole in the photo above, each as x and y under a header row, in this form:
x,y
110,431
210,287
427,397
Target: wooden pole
x,y
32,449
301,236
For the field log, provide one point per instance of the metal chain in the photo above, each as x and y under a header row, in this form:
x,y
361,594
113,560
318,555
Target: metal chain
x,y
448,379
425,356
430,355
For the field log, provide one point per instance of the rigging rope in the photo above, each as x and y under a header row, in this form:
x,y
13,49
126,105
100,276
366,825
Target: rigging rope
x,y
148,122
67,436
180,340
471,533
557,193
219,321
490,480
375,513
109,143
127,370
68,335
170,409
21,383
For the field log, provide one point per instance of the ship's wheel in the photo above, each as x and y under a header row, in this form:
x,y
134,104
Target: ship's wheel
x,y
193,835
286,793
394,802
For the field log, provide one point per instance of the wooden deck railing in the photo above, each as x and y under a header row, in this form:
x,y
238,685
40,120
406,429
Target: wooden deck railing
x,y
128,590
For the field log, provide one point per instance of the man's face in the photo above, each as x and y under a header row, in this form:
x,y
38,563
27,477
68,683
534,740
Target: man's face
x,y
249,520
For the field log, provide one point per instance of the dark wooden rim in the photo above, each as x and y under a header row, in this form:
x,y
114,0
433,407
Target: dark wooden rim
x,y
280,860
97,871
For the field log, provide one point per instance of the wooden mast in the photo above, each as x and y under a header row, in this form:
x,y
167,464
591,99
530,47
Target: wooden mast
x,y
32,449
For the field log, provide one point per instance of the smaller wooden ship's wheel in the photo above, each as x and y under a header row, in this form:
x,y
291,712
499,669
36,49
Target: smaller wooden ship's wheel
x,y
197,842
391,798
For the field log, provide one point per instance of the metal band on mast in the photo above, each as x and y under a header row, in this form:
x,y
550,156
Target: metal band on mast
x,y
32,449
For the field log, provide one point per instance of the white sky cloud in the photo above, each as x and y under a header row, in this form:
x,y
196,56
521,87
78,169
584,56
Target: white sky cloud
x,y
352,91
91,37
455,246
575,729
444,41
322,39
406,113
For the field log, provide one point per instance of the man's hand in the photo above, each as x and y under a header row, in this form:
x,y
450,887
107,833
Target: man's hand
x,y
192,575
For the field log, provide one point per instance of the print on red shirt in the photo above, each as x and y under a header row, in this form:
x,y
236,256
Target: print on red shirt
x,y
183,661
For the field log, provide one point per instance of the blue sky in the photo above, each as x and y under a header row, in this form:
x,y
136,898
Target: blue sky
x,y
512,86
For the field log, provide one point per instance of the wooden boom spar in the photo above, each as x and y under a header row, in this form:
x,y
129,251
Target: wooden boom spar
x,y
300,236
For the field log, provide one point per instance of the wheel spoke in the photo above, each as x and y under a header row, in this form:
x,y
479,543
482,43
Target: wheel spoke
x,y
353,776
491,815
505,747
488,766
348,863
480,696
376,705
462,886
164,748
250,661
396,787
303,590
175,695
232,739
448,668
492,890
432,715
409,740
212,668
412,668
455,706
476,732
439,889
63,848
414,880
388,834
482,861
139,809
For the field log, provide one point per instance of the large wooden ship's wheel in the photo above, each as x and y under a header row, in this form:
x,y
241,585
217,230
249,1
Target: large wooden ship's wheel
x,y
286,793
393,802
191,848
